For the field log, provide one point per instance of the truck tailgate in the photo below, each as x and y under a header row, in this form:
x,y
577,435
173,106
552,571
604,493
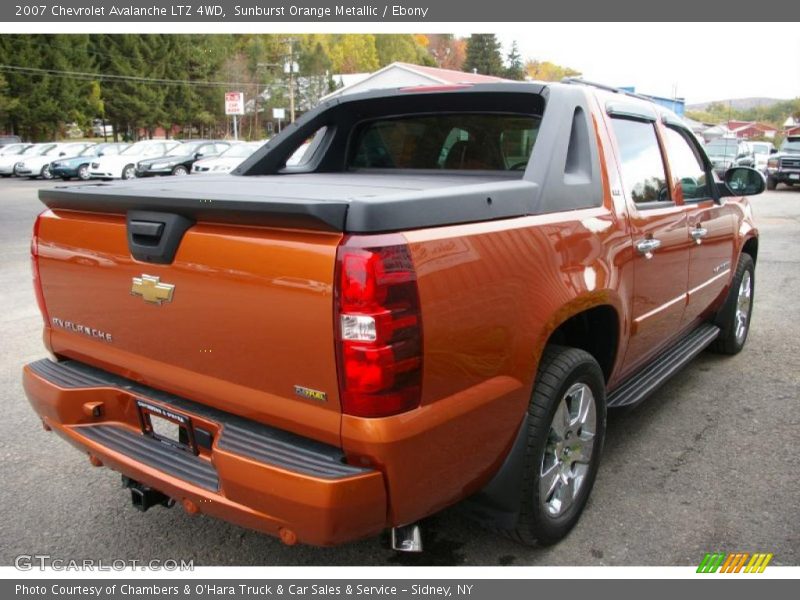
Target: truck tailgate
x,y
250,317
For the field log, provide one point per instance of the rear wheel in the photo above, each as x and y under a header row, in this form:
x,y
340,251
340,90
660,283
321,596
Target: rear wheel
x,y
129,172
180,170
733,319
566,429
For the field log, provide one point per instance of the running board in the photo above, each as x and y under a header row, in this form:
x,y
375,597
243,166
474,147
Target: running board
x,y
662,367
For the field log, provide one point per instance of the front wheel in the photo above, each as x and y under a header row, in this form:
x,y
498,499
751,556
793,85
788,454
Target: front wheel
x,y
129,172
772,183
566,429
83,172
733,319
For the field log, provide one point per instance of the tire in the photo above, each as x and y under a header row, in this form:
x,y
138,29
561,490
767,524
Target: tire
x,y
733,318
129,172
548,510
772,183
45,172
83,173
180,170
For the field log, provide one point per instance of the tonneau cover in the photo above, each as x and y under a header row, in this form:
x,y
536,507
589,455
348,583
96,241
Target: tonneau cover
x,y
360,202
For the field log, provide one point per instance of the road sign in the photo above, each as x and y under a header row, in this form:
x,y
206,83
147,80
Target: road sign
x,y
234,103
279,113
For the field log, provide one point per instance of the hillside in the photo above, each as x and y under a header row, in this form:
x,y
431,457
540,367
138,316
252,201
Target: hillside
x,y
736,103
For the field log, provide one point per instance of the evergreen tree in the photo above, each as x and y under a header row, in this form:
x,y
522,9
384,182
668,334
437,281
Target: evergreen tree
x,y
483,55
515,69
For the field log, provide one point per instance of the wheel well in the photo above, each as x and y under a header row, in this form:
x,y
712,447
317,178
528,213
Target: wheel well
x,y
596,331
751,247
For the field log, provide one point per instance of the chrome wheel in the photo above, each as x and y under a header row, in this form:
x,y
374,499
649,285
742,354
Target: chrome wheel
x,y
129,172
83,172
743,303
570,444
46,174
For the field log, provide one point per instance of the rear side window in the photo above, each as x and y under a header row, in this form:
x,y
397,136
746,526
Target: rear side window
x,y
643,173
691,180
492,142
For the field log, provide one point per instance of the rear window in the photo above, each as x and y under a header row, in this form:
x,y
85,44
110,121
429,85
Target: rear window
x,y
487,142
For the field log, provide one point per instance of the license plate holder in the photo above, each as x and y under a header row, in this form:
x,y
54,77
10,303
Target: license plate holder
x,y
167,426
794,176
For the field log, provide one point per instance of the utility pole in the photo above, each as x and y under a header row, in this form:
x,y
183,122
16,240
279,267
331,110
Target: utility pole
x,y
291,41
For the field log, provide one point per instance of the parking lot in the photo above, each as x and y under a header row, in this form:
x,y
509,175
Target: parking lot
x,y
709,463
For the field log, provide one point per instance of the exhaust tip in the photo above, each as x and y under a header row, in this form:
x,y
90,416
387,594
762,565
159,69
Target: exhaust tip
x,y
407,538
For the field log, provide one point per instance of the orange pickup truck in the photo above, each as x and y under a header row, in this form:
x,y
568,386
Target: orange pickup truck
x,y
435,304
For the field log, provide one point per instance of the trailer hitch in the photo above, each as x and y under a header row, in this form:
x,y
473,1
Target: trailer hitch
x,y
143,497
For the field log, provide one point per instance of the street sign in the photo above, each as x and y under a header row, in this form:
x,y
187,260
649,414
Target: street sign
x,y
279,113
234,103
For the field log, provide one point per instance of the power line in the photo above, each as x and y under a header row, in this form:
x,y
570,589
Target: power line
x,y
84,76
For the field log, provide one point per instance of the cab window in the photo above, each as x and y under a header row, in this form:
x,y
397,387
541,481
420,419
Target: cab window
x,y
691,181
643,173
490,141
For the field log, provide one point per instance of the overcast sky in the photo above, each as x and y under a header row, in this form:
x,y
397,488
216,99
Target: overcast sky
x,y
704,61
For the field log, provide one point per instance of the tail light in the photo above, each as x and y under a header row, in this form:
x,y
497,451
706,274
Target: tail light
x,y
378,327
37,282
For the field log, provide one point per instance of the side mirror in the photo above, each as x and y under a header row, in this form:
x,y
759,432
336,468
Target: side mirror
x,y
744,181
62,153
773,150
101,154
198,155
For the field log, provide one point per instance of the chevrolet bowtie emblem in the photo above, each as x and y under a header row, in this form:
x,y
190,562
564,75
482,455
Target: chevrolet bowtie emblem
x,y
151,289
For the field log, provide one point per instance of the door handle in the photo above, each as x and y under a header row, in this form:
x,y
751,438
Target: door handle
x,y
647,246
698,233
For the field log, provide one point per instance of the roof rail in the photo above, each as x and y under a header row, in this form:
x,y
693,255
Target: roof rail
x,y
608,88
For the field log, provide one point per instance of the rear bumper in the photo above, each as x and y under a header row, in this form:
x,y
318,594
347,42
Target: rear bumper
x,y
252,475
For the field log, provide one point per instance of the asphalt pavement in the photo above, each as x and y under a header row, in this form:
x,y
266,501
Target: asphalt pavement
x,y
708,463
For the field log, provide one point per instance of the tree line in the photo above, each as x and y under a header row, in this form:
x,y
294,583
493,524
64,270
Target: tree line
x,y
140,82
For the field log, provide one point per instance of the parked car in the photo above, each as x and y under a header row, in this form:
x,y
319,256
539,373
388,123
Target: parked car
x,y
784,165
123,165
10,149
180,159
9,161
5,140
437,306
78,166
761,153
227,160
729,152
39,165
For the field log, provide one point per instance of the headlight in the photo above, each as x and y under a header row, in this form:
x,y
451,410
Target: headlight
x,y
20,165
